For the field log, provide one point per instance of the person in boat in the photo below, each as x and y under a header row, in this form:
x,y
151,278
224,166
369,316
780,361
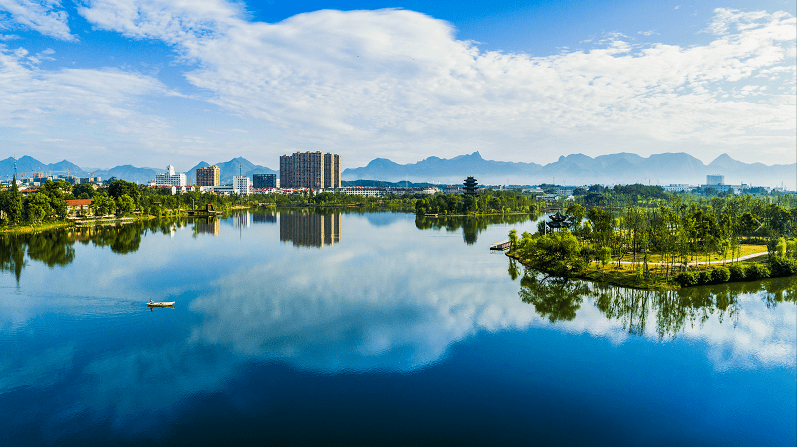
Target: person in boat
x,y
150,301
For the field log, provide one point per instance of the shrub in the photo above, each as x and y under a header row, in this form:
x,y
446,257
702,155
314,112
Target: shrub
x,y
756,271
686,279
720,274
782,266
737,272
704,277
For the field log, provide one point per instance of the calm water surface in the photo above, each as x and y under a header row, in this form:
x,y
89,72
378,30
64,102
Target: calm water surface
x,y
296,328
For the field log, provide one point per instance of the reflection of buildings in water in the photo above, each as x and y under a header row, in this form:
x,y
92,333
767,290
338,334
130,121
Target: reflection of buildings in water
x,y
264,218
241,220
209,225
310,229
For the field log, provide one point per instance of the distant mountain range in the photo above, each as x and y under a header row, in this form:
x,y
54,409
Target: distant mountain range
x,y
579,169
576,169
27,166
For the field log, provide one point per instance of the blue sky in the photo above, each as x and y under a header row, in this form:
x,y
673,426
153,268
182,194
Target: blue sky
x,y
156,82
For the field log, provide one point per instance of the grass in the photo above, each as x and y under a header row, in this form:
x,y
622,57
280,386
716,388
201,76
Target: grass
x,y
33,228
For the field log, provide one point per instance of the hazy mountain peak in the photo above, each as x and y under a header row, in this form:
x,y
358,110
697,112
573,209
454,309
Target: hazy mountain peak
x,y
723,159
474,156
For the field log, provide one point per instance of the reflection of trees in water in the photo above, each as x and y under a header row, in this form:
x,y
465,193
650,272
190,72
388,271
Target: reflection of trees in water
x,y
555,299
673,310
56,248
51,248
471,225
12,256
513,270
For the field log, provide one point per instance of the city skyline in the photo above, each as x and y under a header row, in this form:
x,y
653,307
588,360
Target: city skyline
x,y
111,82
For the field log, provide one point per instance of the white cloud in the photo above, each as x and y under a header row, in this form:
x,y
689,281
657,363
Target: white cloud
x,y
398,81
398,84
44,16
79,108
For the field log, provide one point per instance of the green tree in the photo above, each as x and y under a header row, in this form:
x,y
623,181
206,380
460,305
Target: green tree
x,y
12,205
118,188
604,255
57,193
38,207
577,211
556,254
103,205
83,191
512,239
124,205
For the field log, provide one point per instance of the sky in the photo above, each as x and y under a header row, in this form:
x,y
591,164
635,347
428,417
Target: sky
x,y
103,83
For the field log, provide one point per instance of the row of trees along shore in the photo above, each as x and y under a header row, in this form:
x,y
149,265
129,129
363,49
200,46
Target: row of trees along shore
x,y
659,238
49,203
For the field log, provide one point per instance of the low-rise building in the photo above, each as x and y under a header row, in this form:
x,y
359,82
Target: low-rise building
x,y
79,206
679,187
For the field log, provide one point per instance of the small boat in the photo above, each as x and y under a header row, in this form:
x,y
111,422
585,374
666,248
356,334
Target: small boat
x,y
167,304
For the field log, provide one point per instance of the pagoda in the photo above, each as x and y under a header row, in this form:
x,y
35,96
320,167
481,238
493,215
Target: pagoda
x,y
559,221
470,186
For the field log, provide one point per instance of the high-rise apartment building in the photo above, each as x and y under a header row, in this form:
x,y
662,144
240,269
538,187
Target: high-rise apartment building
x,y
310,170
208,176
331,171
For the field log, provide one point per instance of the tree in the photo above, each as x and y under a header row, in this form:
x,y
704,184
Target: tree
x,y
13,204
103,204
83,191
604,255
124,205
57,193
557,254
38,207
117,188
578,212
512,239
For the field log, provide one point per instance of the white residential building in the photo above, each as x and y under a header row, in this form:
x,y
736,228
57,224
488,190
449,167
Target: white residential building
x,y
241,185
169,178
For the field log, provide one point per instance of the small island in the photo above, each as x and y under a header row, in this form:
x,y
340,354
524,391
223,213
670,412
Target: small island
x,y
666,246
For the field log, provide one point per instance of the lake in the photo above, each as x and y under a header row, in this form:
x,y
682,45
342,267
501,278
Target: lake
x,y
348,328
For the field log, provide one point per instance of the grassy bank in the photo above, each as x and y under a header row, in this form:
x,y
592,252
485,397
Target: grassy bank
x,y
35,228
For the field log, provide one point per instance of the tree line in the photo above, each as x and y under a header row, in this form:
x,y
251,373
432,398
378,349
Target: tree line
x,y
487,201
121,198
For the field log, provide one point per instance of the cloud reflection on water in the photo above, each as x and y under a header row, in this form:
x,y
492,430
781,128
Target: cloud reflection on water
x,y
384,303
